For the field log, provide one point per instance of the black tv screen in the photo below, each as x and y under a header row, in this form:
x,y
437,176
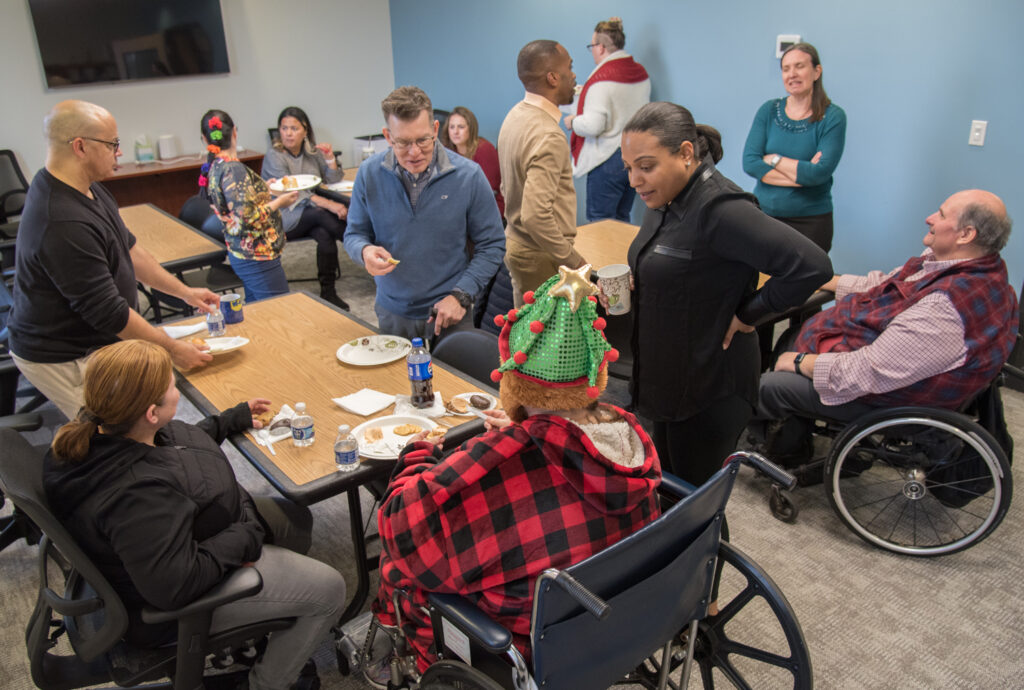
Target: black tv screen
x,y
88,41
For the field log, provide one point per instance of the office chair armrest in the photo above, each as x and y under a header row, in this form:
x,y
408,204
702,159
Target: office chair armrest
x,y
241,583
22,422
469,619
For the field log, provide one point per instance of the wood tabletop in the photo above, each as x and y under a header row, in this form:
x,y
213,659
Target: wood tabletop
x,y
291,358
605,242
186,162
165,237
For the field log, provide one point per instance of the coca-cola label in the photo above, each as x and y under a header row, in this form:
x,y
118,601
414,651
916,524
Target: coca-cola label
x,y
421,371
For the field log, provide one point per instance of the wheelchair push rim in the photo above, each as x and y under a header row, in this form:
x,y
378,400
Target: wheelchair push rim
x,y
884,488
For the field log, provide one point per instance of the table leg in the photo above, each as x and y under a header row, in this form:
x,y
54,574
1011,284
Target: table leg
x,y
355,513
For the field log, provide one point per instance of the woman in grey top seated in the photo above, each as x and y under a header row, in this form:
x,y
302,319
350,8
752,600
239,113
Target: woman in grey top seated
x,y
323,219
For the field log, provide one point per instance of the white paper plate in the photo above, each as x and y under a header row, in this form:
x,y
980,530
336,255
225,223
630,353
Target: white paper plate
x,y
470,410
301,182
391,445
343,187
371,350
219,346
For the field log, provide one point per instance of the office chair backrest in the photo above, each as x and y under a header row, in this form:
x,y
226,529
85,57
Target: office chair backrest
x,y
196,212
472,352
21,479
655,581
13,186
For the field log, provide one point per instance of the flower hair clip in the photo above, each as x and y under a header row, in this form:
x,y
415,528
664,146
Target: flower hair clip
x,y
213,148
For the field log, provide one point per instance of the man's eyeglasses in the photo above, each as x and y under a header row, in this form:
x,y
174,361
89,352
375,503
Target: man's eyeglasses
x,y
592,45
114,145
424,143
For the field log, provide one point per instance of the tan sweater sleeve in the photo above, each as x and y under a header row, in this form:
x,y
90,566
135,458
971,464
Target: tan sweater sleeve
x,y
541,191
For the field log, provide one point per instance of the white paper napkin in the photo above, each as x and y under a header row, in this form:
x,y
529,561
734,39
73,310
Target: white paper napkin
x,y
365,402
404,407
181,331
265,438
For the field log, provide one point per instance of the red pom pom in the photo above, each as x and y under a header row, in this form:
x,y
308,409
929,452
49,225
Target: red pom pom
x,y
495,376
499,320
592,298
519,357
537,326
612,355
528,297
593,392
599,323
512,315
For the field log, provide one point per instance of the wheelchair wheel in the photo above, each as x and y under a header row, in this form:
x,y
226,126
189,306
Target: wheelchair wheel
x,y
782,506
455,675
755,639
918,481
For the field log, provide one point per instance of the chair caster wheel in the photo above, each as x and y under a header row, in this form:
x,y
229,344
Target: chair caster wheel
x,y
781,504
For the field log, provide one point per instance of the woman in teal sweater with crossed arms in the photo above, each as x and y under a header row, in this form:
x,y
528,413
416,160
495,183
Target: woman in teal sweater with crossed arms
x,y
794,146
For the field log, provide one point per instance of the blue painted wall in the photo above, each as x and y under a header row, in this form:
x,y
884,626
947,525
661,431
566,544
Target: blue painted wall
x,y
911,75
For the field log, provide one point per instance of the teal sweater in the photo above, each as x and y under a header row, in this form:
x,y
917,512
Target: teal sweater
x,y
773,132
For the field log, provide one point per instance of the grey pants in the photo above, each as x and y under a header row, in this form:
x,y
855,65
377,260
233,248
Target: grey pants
x,y
293,586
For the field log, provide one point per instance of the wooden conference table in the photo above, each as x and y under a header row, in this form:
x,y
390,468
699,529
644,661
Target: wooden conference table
x,y
177,246
290,358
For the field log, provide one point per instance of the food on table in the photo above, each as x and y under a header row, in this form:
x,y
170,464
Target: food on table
x,y
365,341
480,402
373,434
407,429
265,418
458,405
289,182
198,342
436,433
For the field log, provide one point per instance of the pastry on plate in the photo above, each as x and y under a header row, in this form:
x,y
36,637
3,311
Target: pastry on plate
x,y
373,434
458,405
407,429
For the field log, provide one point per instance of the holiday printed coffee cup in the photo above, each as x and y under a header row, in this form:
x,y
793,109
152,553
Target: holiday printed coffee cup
x,y
614,282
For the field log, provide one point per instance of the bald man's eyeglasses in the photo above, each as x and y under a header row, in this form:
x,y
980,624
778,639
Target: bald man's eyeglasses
x,y
114,145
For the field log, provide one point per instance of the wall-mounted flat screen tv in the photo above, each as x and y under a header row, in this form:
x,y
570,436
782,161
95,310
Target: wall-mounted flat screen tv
x,y
89,41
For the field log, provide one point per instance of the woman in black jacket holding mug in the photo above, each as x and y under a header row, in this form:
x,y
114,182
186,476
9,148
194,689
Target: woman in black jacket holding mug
x,y
695,265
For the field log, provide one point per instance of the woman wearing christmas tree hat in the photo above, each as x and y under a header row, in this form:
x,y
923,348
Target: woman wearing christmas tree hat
x,y
487,519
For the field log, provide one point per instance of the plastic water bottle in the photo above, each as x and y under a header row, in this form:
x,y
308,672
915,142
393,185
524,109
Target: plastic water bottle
x,y
215,323
302,426
346,450
421,375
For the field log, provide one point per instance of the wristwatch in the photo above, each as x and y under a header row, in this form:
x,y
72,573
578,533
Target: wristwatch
x,y
464,298
796,363
776,159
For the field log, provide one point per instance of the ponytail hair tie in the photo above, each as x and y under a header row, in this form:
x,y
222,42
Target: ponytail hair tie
x,y
213,148
202,180
85,415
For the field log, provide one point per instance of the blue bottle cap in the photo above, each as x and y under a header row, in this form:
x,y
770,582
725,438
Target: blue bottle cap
x,y
417,342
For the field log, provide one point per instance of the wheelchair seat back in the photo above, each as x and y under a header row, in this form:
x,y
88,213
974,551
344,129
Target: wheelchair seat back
x,y
656,580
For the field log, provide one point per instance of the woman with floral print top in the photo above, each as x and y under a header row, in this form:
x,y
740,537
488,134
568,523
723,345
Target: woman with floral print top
x,y
252,218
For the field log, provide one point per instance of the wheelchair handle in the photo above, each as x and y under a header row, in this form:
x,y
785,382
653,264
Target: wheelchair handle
x,y
597,606
764,466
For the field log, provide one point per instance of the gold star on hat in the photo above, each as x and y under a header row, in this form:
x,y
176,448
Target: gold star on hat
x,y
574,285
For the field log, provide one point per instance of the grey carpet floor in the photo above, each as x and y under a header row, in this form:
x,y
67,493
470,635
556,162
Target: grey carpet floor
x,y
871,619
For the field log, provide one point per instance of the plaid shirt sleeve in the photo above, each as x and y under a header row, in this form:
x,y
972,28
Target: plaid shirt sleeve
x,y
894,360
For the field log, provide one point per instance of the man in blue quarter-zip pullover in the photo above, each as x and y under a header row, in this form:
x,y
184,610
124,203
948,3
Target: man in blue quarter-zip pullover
x,y
424,224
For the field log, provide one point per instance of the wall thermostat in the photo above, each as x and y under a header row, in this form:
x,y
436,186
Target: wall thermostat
x,y
784,41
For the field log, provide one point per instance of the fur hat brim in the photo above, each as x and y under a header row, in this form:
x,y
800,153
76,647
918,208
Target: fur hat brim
x,y
519,391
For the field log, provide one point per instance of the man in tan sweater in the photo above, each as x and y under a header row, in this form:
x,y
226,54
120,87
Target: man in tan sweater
x,y
536,171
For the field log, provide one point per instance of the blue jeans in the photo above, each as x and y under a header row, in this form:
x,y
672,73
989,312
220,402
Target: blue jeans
x,y
261,279
608,192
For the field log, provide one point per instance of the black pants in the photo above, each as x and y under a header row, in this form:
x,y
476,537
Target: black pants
x,y
322,225
694,449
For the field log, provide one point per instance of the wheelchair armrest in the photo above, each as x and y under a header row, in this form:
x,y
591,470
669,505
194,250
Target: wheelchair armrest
x,y
241,583
458,435
472,621
674,486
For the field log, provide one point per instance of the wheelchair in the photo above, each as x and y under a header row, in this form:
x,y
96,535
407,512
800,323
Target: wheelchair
x,y
635,613
917,481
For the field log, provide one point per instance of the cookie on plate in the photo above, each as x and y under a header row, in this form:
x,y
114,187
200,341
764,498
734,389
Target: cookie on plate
x,y
407,429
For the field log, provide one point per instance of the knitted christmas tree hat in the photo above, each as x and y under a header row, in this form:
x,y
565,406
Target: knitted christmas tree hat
x,y
553,353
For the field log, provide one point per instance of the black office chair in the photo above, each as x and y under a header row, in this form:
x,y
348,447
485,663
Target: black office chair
x,y
9,374
496,299
92,614
472,352
602,621
13,188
